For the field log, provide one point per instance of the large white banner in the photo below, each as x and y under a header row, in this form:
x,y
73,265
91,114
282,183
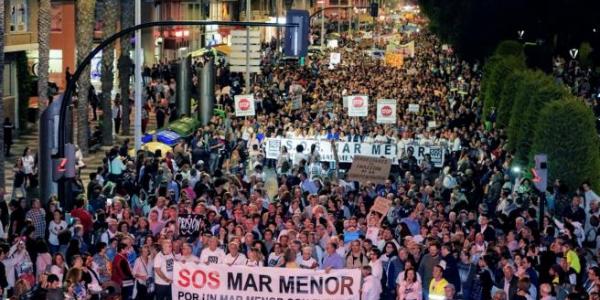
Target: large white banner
x,y
386,111
219,282
419,151
358,106
244,105
345,150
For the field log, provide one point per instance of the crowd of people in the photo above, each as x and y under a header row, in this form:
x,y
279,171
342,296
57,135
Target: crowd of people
x,y
467,230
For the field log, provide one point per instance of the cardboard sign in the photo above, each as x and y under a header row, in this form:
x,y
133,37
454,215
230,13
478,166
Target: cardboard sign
x,y
382,206
386,111
296,102
413,108
335,58
189,225
358,106
369,169
244,105
394,59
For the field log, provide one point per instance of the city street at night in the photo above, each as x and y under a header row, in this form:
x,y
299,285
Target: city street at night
x,y
300,150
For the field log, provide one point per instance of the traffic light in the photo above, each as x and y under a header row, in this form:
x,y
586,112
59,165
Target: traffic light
x,y
540,172
296,38
65,167
374,9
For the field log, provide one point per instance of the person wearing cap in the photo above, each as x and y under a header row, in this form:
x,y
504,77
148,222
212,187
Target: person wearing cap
x,y
450,292
438,284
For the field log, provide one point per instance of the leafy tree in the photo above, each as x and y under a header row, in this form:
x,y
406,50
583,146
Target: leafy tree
x,y
566,132
510,48
496,70
537,90
510,88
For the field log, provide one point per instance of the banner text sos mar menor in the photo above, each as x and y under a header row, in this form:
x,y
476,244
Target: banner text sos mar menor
x,y
220,282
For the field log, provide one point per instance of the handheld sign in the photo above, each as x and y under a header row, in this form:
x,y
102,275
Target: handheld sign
x,y
296,102
381,206
244,105
335,58
413,108
358,106
189,225
369,168
386,111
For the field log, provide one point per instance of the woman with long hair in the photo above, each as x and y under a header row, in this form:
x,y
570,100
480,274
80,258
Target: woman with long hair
x,y
391,270
143,271
410,288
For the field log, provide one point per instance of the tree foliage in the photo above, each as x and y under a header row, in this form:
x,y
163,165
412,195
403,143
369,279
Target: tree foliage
x,y
538,89
510,48
496,71
510,88
565,131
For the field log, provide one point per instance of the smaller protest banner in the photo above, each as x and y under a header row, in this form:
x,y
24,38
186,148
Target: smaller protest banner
x,y
386,111
413,108
358,106
335,58
296,102
369,169
394,59
244,105
381,205
189,225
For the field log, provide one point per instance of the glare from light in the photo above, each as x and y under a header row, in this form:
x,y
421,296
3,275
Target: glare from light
x,y
516,169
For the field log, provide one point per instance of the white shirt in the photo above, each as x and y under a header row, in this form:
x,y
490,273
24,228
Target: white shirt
x,y
371,288
165,263
28,163
311,263
212,257
376,268
54,229
238,260
141,268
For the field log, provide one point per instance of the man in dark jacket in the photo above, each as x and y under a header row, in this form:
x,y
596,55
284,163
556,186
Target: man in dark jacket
x,y
509,283
451,270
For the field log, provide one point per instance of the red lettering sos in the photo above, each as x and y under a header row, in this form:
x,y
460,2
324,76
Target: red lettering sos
x,y
199,279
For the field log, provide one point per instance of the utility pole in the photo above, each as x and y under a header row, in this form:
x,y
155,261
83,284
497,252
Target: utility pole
x,y
248,47
137,124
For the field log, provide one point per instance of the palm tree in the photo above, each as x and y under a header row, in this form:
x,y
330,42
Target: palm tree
x,y
110,15
125,63
85,34
1,90
44,20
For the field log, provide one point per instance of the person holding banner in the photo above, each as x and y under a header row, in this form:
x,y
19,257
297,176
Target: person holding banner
x,y
371,286
163,269
234,257
212,254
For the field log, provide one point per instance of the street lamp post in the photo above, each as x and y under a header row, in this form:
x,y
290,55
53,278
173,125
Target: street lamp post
x,y
322,24
137,124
